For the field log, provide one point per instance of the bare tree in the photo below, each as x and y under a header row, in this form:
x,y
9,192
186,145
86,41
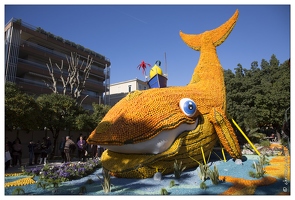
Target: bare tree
x,y
73,78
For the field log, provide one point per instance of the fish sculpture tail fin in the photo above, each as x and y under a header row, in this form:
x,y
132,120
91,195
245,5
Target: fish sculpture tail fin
x,y
218,35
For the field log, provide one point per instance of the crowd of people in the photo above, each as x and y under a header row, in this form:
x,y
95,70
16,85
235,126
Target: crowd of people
x,y
40,150
67,148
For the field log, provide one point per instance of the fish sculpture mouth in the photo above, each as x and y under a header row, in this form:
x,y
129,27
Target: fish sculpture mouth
x,y
156,145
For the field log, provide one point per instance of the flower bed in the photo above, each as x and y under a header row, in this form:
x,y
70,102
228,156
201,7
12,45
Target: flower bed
x,y
66,171
235,180
54,174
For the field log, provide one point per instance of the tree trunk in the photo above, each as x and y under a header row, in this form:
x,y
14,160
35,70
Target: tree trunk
x,y
55,135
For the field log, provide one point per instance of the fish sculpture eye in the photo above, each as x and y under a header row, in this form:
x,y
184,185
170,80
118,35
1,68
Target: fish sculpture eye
x,y
188,107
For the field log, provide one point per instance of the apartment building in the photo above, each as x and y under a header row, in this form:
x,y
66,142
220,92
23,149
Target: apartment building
x,y
121,89
27,53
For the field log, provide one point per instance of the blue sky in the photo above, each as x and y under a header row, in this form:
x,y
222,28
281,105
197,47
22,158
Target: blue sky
x,y
128,34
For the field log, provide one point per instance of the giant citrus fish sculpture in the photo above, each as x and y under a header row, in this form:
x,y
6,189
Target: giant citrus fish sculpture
x,y
147,131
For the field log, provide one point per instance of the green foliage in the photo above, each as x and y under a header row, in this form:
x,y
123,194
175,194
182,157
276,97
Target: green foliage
x,y
255,136
253,174
21,110
43,185
18,191
259,171
259,95
203,172
259,167
18,21
106,185
87,122
55,182
203,185
58,111
214,175
99,111
172,183
263,160
178,169
265,143
285,141
55,111
163,191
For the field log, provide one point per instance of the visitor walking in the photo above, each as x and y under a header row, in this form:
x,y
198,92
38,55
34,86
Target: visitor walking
x,y
68,143
31,147
44,150
17,153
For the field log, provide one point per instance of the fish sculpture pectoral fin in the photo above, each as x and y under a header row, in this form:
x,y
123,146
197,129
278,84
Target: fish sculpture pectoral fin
x,y
225,133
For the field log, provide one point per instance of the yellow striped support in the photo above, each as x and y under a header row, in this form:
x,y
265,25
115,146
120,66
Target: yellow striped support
x,y
195,160
245,136
203,156
223,154
209,156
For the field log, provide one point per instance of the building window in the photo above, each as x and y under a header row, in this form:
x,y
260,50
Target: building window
x,y
129,88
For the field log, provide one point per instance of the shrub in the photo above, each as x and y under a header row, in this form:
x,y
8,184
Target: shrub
x,y
265,143
214,175
106,185
163,191
172,183
203,185
259,167
203,172
18,191
178,169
